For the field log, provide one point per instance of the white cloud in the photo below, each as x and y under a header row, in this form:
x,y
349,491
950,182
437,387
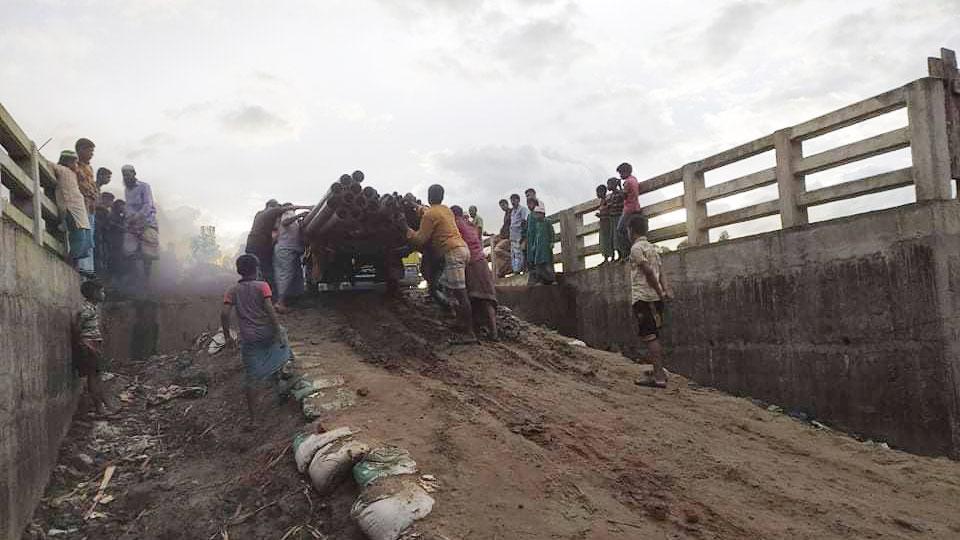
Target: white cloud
x,y
223,105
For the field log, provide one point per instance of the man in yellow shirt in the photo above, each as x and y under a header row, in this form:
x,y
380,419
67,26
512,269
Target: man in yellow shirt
x,y
438,230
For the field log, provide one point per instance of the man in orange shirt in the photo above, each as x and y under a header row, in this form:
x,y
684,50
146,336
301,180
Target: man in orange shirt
x,y
438,230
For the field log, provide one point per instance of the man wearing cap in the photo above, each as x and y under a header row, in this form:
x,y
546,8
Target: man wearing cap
x,y
73,208
91,195
539,249
141,240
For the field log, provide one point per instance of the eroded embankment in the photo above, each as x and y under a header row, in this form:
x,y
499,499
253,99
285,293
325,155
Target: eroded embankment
x,y
529,438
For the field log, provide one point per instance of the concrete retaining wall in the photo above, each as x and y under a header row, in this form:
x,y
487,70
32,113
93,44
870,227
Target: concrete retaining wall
x,y
38,391
851,321
38,388
140,328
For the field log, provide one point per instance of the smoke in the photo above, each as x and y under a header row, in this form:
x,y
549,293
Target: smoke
x,y
180,270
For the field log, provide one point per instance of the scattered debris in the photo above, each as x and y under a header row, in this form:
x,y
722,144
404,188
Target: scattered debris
x,y
167,393
107,475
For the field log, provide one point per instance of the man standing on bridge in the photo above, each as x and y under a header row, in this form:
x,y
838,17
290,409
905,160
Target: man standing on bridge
x,y
91,196
518,226
631,202
141,241
73,207
438,229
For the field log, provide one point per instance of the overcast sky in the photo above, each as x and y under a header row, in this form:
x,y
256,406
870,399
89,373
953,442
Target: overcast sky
x,y
222,105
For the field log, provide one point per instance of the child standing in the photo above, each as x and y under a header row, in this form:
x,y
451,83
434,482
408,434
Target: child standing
x,y
263,342
614,211
603,213
648,291
88,343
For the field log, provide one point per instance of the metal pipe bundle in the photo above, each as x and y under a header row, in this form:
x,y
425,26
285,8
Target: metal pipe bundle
x,y
351,216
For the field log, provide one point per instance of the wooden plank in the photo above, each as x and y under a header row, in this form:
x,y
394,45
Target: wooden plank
x,y
737,153
570,241
54,244
848,153
663,207
586,251
755,211
952,98
790,185
49,207
47,177
851,114
668,233
856,188
929,149
747,182
12,138
24,184
696,210
935,67
589,228
662,181
582,208
656,235
14,214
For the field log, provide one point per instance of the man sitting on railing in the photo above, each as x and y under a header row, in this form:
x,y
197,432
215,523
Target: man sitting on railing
x,y
73,207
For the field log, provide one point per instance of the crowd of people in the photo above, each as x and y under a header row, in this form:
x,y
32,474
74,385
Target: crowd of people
x,y
106,237
524,244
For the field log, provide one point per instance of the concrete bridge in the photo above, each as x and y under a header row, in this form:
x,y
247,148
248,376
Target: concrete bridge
x,y
850,320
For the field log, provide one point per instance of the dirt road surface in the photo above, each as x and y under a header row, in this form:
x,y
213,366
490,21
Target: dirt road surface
x,y
530,437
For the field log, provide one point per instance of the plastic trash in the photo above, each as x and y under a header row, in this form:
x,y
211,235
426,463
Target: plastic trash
x,y
386,509
306,446
218,342
381,462
576,343
333,462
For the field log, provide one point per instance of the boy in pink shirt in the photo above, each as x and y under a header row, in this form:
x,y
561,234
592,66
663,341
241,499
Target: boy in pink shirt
x,y
631,202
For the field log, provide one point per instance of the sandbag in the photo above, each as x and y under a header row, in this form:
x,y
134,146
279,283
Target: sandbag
x,y
306,446
381,462
389,507
332,462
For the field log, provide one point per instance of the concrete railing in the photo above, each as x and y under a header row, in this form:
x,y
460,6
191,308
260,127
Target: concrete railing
x,y
31,185
932,134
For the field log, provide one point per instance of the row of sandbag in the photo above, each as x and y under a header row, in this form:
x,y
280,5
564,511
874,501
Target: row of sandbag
x,y
390,499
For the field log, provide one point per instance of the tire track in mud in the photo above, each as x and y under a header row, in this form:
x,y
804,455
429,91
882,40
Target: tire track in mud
x,y
406,337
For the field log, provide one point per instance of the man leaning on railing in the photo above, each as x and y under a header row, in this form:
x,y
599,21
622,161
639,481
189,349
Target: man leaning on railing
x,y
74,208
